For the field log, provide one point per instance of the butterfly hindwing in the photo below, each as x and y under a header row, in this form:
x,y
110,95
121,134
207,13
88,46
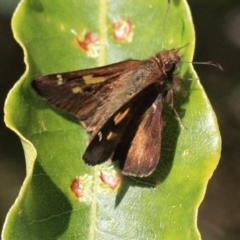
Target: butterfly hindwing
x,y
144,152
120,127
103,144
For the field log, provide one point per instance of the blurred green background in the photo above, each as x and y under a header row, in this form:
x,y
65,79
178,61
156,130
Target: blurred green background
x,y
217,24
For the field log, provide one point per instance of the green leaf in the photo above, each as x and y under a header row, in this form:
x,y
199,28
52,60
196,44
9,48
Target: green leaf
x,y
162,206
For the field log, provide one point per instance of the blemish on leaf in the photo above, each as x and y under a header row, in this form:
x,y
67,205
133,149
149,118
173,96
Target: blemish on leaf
x,y
62,27
77,187
88,42
186,153
82,188
110,180
123,30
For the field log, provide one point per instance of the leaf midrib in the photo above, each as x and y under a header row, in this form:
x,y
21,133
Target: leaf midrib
x,y
101,62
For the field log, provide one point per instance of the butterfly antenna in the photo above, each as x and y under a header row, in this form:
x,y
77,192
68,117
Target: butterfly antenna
x,y
164,24
212,63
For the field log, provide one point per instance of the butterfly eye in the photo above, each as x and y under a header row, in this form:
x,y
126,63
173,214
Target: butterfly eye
x,y
168,66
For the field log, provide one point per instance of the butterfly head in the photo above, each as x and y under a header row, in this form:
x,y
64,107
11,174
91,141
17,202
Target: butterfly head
x,y
169,59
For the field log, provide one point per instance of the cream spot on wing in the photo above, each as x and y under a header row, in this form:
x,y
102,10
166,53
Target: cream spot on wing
x,y
76,90
111,135
100,136
60,79
120,116
89,79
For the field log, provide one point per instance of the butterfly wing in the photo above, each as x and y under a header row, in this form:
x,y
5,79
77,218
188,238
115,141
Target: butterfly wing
x,y
114,103
80,92
120,127
139,154
94,95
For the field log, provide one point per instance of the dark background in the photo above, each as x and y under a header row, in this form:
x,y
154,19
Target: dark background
x,y
217,24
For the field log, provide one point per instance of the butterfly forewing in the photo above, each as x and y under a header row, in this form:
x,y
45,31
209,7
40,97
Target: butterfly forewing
x,y
93,95
75,91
